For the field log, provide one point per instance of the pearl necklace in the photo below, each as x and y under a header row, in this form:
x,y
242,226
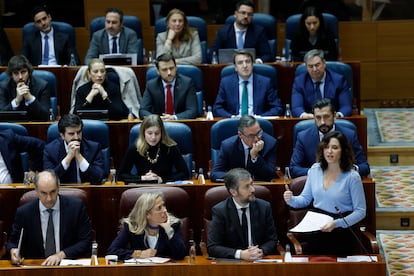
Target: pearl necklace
x,y
153,160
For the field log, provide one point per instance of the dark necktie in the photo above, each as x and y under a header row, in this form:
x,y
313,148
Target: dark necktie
x,y
245,99
240,41
45,59
50,246
169,107
318,95
245,228
114,46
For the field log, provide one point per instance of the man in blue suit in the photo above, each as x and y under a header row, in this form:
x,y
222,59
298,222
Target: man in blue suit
x,y
114,38
251,35
304,151
71,225
261,95
319,82
59,45
251,149
74,158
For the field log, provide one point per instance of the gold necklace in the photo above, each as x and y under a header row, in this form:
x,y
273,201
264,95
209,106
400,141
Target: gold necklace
x,y
153,160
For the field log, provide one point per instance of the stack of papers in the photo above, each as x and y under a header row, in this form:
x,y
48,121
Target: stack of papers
x,y
153,260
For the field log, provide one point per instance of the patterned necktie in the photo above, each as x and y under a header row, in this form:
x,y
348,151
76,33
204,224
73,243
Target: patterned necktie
x,y
240,40
50,246
114,46
45,59
245,99
245,229
318,95
169,108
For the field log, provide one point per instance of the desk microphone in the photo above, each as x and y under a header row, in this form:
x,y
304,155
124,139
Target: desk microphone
x,y
354,234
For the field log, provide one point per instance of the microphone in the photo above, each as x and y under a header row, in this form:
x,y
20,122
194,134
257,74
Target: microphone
x,y
354,234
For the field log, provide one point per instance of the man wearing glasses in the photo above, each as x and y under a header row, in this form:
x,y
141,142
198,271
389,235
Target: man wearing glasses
x,y
318,83
243,34
245,92
251,149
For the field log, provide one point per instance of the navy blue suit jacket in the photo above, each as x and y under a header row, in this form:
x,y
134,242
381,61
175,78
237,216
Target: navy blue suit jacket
x,y
11,145
75,229
307,141
255,38
225,232
55,152
265,99
32,48
336,89
185,102
232,155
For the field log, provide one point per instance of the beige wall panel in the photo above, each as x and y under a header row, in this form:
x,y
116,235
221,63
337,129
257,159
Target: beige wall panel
x,y
395,40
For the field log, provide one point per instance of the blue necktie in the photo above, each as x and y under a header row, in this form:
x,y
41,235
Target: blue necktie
x,y
114,46
45,59
240,41
318,94
245,99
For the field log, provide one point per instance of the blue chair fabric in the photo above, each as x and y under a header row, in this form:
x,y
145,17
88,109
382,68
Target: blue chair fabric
x,y
269,23
305,124
180,133
261,69
226,128
20,130
190,71
292,28
94,130
194,21
130,21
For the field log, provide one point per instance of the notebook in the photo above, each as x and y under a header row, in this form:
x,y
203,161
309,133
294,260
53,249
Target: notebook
x,y
225,56
13,116
95,114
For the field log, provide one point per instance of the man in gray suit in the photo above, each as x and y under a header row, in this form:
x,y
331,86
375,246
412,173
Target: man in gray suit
x,y
114,38
171,95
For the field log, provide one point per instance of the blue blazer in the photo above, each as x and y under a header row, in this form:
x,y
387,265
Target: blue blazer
x,y
265,99
126,242
255,38
307,141
11,145
55,152
185,101
32,48
336,89
128,43
75,229
232,155
225,232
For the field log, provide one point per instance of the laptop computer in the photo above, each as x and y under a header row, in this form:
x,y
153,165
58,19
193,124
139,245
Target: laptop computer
x,y
225,56
94,114
13,116
119,59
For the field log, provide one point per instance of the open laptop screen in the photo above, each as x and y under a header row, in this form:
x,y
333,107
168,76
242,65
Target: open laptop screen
x,y
94,114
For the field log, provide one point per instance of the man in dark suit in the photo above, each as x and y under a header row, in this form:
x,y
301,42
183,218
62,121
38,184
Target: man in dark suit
x,y
73,158
24,92
317,83
251,148
114,38
304,151
11,145
242,225
171,95
58,50
243,34
261,95
70,229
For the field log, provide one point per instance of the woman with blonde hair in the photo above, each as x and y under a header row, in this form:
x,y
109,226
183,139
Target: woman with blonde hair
x,y
155,155
180,39
148,231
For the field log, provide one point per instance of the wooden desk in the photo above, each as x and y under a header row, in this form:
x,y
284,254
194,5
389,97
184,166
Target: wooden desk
x,y
283,130
202,267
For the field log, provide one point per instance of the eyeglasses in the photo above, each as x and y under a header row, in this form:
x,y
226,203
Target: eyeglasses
x,y
245,13
252,136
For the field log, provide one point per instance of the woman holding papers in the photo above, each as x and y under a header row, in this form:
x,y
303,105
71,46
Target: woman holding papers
x,y
100,93
148,231
336,190
155,155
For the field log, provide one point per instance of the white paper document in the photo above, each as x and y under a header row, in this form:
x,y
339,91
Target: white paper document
x,y
152,260
312,222
68,262
359,258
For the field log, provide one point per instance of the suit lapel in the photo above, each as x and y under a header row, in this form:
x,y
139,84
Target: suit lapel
x,y
234,217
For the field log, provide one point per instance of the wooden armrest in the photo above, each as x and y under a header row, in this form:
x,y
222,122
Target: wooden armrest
x,y
296,243
280,248
372,241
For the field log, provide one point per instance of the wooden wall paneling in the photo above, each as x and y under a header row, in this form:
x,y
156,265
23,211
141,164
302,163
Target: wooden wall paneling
x,y
357,41
395,40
